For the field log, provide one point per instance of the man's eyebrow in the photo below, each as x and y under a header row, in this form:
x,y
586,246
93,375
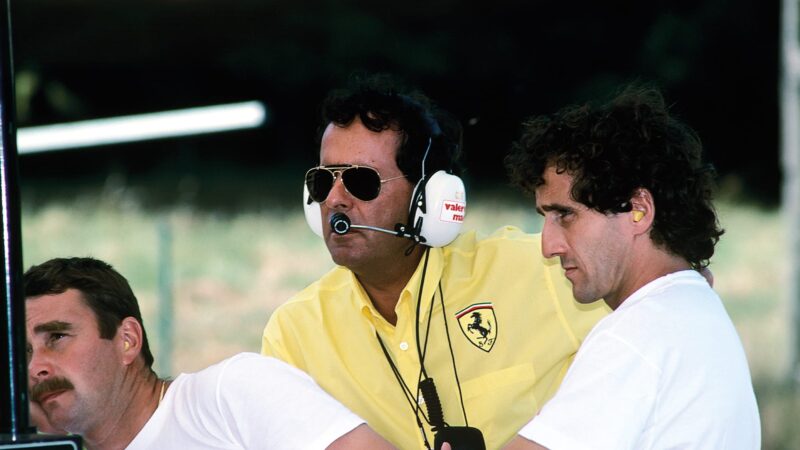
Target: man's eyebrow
x,y
49,327
553,207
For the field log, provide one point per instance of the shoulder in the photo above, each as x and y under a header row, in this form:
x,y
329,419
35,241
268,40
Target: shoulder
x,y
682,297
333,284
664,316
305,316
247,368
504,243
505,234
242,373
507,249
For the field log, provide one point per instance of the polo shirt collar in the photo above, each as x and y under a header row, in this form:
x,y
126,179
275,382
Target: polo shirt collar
x,y
408,297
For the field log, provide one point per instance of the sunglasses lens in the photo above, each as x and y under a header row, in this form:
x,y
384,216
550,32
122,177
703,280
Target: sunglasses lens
x,y
364,183
319,183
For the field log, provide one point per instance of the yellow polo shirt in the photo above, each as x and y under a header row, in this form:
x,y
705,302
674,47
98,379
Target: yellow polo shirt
x,y
511,319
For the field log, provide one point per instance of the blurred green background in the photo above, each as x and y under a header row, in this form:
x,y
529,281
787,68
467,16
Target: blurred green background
x,y
213,223
229,271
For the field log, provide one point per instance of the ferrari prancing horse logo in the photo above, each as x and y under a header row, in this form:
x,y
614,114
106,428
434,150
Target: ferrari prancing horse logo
x,y
479,324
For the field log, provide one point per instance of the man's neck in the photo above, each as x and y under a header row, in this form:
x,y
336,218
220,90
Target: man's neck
x,y
384,286
127,414
657,264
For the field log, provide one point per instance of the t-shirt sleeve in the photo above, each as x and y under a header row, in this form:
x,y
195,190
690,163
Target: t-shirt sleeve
x,y
604,401
267,403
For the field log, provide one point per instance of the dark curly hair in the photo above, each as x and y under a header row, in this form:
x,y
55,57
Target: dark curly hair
x,y
383,102
105,291
612,150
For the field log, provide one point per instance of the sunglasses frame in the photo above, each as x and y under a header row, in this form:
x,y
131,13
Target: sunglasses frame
x,y
337,170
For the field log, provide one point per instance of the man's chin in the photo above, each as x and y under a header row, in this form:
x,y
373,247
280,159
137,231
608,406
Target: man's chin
x,y
60,421
585,297
342,257
581,296
354,259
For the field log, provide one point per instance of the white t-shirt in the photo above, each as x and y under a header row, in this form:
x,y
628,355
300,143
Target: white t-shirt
x,y
666,370
248,401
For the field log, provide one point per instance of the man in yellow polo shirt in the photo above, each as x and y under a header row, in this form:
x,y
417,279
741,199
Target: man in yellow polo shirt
x,y
417,338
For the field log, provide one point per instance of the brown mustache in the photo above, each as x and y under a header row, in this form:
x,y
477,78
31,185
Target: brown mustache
x,y
50,385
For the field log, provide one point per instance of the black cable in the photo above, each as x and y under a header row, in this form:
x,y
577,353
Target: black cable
x,y
425,384
435,416
452,355
419,306
406,393
406,390
433,422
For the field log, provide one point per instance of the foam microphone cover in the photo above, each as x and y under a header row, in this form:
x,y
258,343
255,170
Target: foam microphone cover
x,y
340,223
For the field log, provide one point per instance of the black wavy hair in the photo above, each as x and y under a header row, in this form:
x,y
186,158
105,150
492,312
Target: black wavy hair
x,y
383,102
105,291
612,150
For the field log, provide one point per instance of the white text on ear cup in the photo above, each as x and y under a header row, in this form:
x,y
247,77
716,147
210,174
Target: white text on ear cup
x,y
312,212
446,207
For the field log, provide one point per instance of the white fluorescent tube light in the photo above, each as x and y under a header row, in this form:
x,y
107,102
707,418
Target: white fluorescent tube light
x,y
139,127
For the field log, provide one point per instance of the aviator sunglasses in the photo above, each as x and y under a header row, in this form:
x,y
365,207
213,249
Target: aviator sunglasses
x,y
362,182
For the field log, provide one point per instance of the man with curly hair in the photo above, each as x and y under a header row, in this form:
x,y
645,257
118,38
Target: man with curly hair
x,y
627,209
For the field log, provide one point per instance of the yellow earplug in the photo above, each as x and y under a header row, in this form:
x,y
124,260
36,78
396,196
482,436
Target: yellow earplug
x,y
638,215
127,345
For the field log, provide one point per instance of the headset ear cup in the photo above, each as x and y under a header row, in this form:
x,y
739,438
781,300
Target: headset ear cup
x,y
445,209
312,212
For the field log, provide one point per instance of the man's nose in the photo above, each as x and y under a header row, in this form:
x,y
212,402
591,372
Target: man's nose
x,y
552,240
338,198
39,366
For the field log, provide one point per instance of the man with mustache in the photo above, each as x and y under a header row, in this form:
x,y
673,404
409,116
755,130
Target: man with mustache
x,y
627,209
90,373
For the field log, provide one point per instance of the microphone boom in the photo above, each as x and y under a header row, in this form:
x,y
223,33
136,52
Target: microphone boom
x,y
340,224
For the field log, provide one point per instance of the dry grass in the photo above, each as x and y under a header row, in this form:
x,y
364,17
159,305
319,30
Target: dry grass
x,y
230,271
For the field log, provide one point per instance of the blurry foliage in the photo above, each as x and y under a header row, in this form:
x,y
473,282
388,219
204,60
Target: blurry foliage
x,y
229,271
492,64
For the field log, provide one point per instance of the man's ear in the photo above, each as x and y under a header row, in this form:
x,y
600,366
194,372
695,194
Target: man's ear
x,y
129,334
643,209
